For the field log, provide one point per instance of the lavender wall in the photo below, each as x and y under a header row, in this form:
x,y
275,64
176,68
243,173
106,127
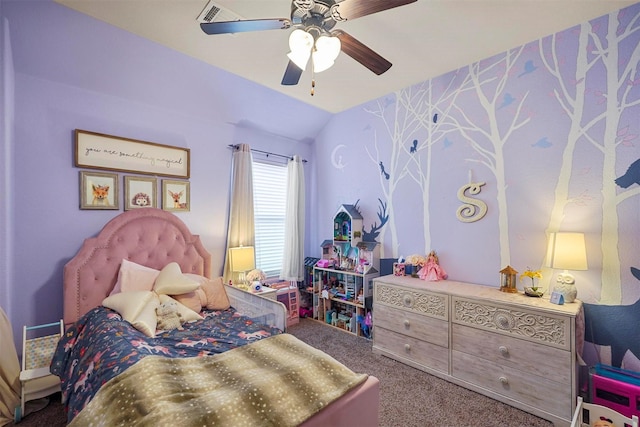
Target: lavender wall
x,y
541,129
69,71
548,127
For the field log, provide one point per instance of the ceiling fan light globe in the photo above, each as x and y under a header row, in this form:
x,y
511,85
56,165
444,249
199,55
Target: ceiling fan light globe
x,y
299,58
300,40
321,64
328,47
325,53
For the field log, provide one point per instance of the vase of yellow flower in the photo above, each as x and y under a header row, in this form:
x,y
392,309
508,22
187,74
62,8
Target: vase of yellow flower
x,y
534,290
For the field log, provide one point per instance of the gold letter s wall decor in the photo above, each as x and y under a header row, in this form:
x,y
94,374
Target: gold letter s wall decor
x,y
473,209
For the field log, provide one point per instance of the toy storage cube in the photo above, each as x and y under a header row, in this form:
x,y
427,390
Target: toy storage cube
x,y
291,299
613,389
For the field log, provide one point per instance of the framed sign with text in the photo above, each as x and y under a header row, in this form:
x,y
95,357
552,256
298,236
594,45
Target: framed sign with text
x,y
100,151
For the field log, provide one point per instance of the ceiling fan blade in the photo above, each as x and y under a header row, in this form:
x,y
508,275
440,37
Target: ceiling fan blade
x,y
352,9
291,75
362,53
226,27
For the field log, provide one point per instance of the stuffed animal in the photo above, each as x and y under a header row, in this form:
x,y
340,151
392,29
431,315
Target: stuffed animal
x,y
168,316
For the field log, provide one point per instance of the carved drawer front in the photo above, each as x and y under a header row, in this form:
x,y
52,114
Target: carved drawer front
x,y
531,325
541,360
415,300
403,346
414,325
533,390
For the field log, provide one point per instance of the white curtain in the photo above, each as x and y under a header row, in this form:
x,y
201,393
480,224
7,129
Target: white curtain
x,y
241,224
9,372
293,258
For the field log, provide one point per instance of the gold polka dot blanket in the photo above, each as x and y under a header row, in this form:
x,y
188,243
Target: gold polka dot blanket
x,y
278,381
101,345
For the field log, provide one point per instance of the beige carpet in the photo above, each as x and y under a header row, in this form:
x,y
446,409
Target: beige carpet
x,y
409,397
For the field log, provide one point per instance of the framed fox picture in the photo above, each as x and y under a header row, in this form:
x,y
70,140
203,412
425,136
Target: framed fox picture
x,y
99,190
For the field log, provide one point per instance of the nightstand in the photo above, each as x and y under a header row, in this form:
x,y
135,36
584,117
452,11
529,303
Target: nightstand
x,y
266,292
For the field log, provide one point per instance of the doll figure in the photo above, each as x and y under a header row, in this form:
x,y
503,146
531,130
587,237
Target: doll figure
x,y
432,270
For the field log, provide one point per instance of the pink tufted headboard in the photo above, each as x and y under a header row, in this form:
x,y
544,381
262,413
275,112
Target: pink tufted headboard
x,y
147,236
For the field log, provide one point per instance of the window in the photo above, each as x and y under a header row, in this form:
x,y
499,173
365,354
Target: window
x,y
269,205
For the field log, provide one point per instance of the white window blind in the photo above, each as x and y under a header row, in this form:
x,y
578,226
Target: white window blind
x,y
269,205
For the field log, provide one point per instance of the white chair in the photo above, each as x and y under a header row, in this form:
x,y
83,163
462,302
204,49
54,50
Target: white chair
x,y
591,412
36,380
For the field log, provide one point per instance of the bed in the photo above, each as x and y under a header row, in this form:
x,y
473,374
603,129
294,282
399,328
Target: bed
x,y
233,366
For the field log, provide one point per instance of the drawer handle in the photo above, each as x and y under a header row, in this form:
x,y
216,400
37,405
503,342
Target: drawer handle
x,y
504,350
504,380
408,300
503,322
407,323
407,347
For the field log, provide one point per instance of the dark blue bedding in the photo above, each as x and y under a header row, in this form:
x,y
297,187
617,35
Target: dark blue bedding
x,y
101,345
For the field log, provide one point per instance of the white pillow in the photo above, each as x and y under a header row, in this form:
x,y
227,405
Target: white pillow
x,y
134,277
137,308
171,281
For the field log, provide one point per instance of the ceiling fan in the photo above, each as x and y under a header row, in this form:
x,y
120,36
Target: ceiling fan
x,y
314,35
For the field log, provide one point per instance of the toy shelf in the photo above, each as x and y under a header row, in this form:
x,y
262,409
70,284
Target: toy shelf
x,y
349,310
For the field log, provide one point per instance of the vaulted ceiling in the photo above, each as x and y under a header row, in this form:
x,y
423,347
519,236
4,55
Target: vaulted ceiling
x,y
422,40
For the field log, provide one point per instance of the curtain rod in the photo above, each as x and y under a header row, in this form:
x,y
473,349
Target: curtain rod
x,y
266,153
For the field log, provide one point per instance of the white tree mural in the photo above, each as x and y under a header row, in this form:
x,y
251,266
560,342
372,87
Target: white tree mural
x,y
488,134
597,53
414,121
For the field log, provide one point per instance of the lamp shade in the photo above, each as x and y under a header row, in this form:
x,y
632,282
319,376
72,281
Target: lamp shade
x,y
566,251
242,258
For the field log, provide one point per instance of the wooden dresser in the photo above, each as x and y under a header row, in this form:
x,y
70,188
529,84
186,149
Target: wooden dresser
x,y
516,349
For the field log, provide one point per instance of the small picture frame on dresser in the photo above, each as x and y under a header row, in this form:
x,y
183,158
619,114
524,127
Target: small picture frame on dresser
x,y
557,298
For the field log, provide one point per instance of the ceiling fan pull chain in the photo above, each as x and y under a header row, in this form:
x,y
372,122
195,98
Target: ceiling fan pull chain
x,y
313,81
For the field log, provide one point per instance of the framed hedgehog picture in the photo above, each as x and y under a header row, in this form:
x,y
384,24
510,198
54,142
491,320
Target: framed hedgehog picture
x,y
140,192
98,190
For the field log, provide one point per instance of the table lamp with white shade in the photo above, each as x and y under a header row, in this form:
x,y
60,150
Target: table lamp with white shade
x,y
242,259
566,251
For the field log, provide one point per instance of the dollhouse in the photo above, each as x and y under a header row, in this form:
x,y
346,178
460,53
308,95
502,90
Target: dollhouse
x,y
343,278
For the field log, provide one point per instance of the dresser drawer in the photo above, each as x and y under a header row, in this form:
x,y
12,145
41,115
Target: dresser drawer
x,y
536,359
531,325
411,324
421,352
539,392
414,300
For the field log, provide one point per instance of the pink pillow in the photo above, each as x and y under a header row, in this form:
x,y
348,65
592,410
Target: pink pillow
x,y
134,277
194,300
215,294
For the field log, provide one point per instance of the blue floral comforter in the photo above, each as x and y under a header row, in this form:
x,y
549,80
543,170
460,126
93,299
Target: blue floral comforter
x,y
101,345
